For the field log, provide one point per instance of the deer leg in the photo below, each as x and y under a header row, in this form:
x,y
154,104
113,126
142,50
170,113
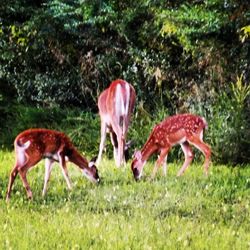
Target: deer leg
x,y
23,164
63,166
48,168
188,157
114,142
21,160
12,178
102,142
126,150
160,161
120,140
121,146
23,172
204,148
164,166
120,153
125,145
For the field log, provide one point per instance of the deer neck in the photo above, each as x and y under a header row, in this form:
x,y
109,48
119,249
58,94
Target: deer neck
x,y
77,159
148,149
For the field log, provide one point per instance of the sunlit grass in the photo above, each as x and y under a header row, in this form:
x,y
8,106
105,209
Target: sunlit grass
x,y
191,212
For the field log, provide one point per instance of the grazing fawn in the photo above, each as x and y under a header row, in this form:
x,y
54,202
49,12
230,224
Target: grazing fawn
x,y
34,144
116,104
183,129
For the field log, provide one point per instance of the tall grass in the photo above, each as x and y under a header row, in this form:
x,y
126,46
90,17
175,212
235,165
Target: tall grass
x,y
229,127
191,212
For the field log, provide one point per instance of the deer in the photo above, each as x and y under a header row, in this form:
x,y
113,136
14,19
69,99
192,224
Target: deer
x,y
116,104
183,129
32,145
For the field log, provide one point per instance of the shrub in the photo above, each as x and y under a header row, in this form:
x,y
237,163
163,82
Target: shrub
x,y
229,130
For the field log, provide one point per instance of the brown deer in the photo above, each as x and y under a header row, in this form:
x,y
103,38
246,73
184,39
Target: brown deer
x,y
183,129
32,145
116,104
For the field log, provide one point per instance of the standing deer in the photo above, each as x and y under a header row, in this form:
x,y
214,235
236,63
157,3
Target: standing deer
x,y
116,104
34,144
183,129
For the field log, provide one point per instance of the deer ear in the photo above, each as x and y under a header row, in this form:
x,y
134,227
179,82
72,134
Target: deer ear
x,y
92,162
137,155
128,144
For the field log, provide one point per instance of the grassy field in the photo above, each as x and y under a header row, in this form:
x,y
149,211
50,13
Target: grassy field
x,y
191,212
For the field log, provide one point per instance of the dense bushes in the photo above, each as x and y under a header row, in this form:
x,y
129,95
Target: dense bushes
x,y
65,52
230,129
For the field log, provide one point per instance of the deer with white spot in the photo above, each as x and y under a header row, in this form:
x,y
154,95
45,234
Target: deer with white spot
x,y
32,145
116,104
183,129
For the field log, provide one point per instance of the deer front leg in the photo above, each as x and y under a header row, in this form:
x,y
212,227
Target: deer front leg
x,y
161,160
164,166
48,168
188,157
63,166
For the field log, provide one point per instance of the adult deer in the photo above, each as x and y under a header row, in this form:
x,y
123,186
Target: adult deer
x,y
34,144
184,129
116,104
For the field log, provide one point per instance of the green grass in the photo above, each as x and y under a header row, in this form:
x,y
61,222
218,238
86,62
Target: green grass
x,y
191,212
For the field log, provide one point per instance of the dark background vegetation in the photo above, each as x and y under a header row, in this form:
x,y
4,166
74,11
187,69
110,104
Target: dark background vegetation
x,y
181,56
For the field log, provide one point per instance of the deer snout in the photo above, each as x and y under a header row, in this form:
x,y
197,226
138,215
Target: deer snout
x,y
92,174
136,174
97,178
95,174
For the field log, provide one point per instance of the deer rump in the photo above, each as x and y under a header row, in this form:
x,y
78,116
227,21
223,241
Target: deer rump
x,y
118,108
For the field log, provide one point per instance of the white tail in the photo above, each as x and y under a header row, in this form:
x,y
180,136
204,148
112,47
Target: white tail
x,y
34,144
182,129
116,105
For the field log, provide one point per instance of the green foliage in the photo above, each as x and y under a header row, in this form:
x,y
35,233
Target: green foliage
x,y
19,118
246,33
240,92
82,128
190,23
229,124
78,47
191,212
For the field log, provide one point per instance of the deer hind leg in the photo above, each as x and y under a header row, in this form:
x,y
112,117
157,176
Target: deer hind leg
x,y
48,168
63,166
188,157
12,178
114,142
204,148
23,175
161,160
102,142
120,140
22,161
121,147
31,161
